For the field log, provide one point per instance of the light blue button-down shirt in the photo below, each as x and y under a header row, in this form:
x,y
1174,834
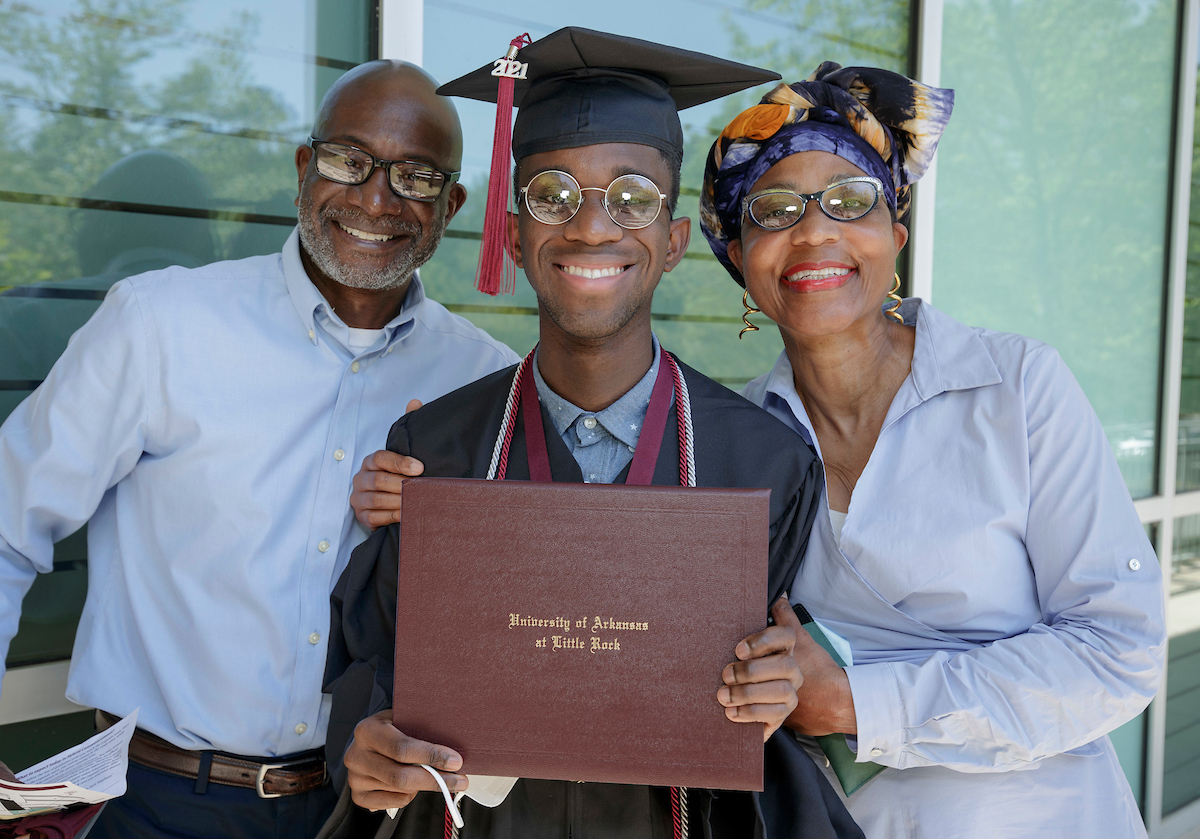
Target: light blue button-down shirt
x,y
1004,606
602,442
208,422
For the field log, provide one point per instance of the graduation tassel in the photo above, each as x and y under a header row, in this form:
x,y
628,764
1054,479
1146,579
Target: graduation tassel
x,y
497,272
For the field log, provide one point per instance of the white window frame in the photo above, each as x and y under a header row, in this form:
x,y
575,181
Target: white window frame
x,y
402,30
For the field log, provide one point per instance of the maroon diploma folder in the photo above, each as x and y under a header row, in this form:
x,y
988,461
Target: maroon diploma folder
x,y
578,632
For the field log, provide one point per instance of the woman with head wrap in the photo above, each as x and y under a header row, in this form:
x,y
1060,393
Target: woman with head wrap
x,y
976,548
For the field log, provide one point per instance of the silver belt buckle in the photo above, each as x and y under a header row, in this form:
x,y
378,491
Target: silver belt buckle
x,y
264,768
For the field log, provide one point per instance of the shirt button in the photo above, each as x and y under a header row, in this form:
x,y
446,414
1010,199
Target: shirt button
x,y
301,728
630,448
1134,565
311,335
315,638
354,367
589,423
322,546
339,455
876,752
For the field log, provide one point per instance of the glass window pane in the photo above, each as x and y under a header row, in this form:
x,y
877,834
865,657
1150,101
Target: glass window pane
x,y
1181,756
1188,463
697,308
1051,215
141,134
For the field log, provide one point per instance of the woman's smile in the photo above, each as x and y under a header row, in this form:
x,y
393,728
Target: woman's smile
x,y
817,276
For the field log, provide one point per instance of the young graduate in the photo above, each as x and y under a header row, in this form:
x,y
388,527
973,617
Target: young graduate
x,y
598,146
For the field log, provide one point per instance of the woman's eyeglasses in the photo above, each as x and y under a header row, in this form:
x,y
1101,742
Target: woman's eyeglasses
x,y
408,178
847,200
554,197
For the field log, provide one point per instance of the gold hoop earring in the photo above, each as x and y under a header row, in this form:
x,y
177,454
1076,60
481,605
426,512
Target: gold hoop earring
x,y
891,311
750,310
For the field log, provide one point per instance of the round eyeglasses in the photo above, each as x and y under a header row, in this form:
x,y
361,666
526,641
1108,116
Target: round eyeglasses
x,y
847,200
407,178
554,197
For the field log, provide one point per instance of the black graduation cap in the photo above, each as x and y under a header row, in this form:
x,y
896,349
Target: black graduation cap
x,y
584,87
579,87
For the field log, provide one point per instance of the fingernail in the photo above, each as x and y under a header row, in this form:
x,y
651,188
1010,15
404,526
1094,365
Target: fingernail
x,y
731,712
723,695
783,596
742,650
457,782
452,763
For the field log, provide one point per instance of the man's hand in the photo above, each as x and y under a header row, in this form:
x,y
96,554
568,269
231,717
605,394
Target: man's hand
x,y
376,494
384,769
761,685
824,705
6,774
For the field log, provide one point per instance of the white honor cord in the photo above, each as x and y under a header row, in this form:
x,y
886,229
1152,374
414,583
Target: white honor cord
x,y
450,802
685,397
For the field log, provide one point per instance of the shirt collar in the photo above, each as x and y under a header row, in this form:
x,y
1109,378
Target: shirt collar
x,y
309,301
947,356
622,419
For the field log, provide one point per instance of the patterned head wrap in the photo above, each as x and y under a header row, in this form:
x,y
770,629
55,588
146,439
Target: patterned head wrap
x,y
884,123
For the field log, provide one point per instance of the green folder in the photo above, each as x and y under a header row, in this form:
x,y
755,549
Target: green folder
x,y
850,773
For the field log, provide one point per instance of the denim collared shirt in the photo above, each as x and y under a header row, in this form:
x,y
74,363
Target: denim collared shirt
x,y
602,442
208,422
1004,606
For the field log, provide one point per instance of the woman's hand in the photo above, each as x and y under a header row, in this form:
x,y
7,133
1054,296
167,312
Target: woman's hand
x,y
824,704
761,685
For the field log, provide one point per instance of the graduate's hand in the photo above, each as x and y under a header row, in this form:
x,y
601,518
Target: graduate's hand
x,y
384,765
376,489
761,685
824,705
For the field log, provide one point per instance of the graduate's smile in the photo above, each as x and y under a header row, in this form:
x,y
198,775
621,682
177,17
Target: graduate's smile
x,y
594,278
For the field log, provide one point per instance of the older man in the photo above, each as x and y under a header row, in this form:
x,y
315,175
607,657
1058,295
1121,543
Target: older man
x,y
207,423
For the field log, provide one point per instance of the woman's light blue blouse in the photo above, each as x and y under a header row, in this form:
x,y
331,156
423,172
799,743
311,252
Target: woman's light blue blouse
x,y
999,593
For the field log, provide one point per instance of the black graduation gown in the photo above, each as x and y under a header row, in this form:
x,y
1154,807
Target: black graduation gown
x,y
736,445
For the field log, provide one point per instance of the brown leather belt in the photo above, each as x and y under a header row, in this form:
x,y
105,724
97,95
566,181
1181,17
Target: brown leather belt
x,y
270,779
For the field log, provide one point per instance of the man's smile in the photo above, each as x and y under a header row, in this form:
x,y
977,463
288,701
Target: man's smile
x,y
364,234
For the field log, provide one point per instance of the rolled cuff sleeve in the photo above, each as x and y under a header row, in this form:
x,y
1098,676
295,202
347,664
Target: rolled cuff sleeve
x,y
880,712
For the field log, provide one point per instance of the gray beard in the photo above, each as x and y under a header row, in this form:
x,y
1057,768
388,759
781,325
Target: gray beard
x,y
321,251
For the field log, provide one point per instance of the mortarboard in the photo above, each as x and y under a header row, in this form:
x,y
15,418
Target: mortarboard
x,y
579,87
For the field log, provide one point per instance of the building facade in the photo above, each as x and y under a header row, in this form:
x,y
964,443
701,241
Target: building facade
x,y
145,133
